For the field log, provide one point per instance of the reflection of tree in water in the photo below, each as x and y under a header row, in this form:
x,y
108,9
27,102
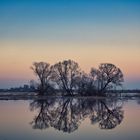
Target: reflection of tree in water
x,y
107,117
43,119
61,114
66,114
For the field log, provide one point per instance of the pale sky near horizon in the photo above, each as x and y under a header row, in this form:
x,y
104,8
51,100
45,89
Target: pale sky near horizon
x,y
87,31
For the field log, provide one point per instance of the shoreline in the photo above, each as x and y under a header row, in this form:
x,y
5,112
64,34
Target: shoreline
x,y
38,97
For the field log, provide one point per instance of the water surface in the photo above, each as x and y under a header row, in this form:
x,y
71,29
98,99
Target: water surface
x,y
70,118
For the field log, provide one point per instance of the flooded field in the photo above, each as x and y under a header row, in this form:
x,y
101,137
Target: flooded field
x,y
70,118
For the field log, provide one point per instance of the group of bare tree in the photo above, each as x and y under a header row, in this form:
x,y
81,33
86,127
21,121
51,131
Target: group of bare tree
x,y
68,78
66,114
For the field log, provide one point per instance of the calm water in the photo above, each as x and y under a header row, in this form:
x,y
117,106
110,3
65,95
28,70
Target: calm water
x,y
70,118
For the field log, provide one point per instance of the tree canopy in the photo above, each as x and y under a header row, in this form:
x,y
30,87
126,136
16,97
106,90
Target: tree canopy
x,y
68,78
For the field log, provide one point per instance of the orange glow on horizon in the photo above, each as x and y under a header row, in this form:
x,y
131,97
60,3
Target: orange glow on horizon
x,y
17,57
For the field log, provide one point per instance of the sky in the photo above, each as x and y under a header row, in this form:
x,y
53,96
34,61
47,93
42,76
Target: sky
x,y
89,32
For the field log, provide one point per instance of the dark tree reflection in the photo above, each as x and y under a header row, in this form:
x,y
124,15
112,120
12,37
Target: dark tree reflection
x,y
66,114
108,118
44,117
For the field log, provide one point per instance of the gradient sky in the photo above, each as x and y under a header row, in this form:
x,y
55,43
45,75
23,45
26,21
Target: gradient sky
x,y
88,31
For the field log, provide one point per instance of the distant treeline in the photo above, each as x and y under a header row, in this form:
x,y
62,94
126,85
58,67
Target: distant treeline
x,y
30,89
25,88
125,91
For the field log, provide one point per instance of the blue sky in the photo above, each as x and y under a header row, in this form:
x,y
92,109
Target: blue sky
x,y
20,18
75,29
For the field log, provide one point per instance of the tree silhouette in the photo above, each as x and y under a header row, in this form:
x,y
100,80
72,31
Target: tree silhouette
x,y
107,77
67,77
64,75
43,72
85,84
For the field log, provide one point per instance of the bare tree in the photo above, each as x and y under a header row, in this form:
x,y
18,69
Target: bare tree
x,y
107,77
67,77
64,74
43,72
85,84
